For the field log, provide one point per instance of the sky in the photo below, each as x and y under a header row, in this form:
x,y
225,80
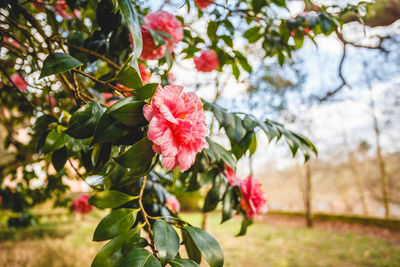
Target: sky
x,y
347,114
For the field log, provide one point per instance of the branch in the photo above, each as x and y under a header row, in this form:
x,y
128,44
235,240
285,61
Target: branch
x,y
377,47
96,80
93,53
145,216
343,81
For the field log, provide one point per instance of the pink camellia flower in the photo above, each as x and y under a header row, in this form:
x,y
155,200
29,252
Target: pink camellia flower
x,y
173,204
149,51
177,126
19,82
230,174
168,23
203,3
107,101
253,199
81,205
207,61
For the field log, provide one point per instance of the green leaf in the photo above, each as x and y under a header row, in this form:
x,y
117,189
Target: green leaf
x,y
42,123
128,112
108,129
253,34
191,248
84,120
54,141
208,246
215,194
218,153
258,5
253,145
115,223
280,3
243,61
183,263
212,30
111,255
58,63
245,224
59,158
166,240
109,199
138,157
235,71
128,76
145,92
139,257
230,203
132,21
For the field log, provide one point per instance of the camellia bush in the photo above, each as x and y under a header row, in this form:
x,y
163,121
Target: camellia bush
x,y
75,78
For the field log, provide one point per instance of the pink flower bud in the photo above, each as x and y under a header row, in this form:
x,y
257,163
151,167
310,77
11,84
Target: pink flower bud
x,y
207,61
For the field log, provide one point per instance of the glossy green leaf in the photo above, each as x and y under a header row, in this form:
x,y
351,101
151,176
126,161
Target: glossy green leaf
x,y
253,34
245,224
138,157
139,257
208,246
131,20
183,263
191,249
43,122
59,157
109,199
108,129
230,203
84,120
166,240
145,92
111,255
218,153
128,76
118,221
58,63
215,194
128,112
54,141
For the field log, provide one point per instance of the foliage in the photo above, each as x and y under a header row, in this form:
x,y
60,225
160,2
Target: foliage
x,y
70,53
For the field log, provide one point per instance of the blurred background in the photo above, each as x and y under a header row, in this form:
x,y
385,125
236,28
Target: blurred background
x,y
341,208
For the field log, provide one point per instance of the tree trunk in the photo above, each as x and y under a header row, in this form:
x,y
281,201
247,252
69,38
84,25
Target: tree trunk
x,y
307,195
381,161
359,183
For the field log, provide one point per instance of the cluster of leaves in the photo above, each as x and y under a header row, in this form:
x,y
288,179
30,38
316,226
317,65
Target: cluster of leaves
x,y
78,59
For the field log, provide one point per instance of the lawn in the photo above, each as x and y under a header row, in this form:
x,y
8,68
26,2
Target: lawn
x,y
264,245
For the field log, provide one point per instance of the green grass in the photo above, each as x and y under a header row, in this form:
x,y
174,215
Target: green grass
x,y
266,245
263,246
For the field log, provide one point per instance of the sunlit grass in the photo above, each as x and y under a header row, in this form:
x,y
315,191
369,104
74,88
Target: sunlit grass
x,y
264,245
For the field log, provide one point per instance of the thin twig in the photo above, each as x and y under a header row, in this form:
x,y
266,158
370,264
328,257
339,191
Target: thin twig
x,y
145,216
96,80
93,53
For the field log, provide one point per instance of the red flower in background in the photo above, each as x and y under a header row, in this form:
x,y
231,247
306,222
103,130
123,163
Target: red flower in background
x,y
11,42
149,51
19,82
144,73
168,23
177,126
253,199
81,205
173,204
203,3
231,175
171,77
207,61
107,99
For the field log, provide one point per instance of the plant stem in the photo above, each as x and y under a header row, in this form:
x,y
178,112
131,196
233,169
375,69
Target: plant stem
x,y
146,216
